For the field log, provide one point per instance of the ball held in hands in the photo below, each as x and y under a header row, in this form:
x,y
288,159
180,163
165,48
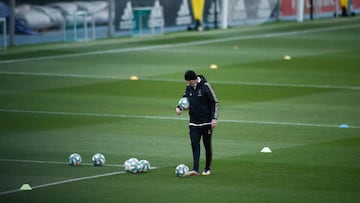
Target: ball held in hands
x,y
184,103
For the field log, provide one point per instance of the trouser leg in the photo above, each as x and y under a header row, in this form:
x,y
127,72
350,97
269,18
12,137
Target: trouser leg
x,y
207,134
195,136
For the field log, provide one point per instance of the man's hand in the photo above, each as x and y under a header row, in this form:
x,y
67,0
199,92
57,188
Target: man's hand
x,y
178,111
213,123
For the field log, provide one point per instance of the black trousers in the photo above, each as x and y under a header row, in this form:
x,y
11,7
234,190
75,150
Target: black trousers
x,y
196,132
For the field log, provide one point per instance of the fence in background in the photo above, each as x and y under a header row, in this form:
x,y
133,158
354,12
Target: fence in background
x,y
139,17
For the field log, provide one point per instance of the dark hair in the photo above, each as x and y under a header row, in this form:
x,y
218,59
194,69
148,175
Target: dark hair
x,y
190,75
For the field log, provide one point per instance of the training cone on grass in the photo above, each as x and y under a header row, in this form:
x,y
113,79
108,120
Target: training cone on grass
x,y
344,126
25,187
213,66
287,57
266,150
134,77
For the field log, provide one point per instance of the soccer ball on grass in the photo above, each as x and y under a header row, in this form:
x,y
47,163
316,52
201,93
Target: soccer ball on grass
x,y
181,170
98,159
145,165
132,165
75,159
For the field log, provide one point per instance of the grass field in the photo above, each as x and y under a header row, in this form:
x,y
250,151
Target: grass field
x,y
56,99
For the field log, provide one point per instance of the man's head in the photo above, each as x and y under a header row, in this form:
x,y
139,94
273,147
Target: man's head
x,y
191,77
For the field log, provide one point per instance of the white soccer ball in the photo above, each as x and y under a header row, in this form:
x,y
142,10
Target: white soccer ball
x,y
145,165
98,159
184,103
181,170
132,165
75,159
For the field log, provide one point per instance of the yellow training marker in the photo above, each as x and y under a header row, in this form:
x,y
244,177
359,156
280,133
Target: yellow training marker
x,y
213,66
287,57
134,77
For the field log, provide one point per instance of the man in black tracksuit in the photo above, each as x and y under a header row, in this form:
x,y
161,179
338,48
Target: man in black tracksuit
x,y
203,112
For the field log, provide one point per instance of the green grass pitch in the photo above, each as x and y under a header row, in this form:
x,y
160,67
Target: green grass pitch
x,y
57,99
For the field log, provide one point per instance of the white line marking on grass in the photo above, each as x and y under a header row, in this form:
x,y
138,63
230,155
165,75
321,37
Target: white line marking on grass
x,y
265,84
63,75
53,162
268,84
147,48
93,114
58,162
174,118
63,181
286,123
66,181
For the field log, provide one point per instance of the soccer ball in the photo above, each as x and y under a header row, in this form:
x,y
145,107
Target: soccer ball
x,y
75,159
132,165
145,165
98,159
181,170
184,103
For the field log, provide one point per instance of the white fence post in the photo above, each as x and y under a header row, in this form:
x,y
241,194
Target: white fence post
x,y
300,11
224,14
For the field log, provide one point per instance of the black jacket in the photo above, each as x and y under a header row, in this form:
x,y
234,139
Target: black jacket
x,y
204,105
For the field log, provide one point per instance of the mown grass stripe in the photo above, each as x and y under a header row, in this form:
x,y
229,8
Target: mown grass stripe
x,y
186,44
63,181
266,84
53,162
176,118
66,181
